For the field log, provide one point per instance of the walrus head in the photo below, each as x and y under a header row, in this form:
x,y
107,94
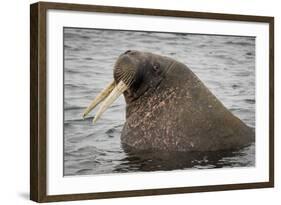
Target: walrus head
x,y
134,74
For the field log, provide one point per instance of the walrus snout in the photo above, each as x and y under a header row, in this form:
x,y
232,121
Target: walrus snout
x,y
124,76
124,69
127,67
133,72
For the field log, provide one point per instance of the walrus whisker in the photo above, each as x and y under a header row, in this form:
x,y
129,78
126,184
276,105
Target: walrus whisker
x,y
169,68
119,72
131,80
127,77
119,78
123,75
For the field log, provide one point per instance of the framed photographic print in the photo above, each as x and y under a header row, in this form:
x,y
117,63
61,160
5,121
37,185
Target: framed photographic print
x,y
134,102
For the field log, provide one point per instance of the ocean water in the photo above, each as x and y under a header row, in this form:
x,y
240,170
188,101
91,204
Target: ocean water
x,y
226,65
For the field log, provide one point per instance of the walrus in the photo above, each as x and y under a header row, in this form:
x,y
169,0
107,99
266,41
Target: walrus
x,y
168,108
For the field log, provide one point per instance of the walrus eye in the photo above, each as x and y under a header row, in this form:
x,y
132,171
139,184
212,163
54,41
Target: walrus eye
x,y
156,67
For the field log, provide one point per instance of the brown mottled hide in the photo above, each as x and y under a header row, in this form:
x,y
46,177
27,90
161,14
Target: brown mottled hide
x,y
181,114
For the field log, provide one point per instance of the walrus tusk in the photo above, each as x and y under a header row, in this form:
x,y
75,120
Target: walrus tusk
x,y
116,92
100,97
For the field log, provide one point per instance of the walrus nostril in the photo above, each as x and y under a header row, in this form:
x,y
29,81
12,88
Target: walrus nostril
x,y
128,51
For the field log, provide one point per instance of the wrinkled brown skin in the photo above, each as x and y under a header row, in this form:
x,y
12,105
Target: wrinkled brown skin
x,y
178,112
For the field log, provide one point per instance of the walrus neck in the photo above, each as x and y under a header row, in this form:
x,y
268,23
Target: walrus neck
x,y
134,104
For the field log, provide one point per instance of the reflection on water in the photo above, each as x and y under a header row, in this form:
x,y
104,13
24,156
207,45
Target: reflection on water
x,y
226,65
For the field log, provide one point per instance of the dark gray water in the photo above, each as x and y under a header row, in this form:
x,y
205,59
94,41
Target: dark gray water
x,y
226,64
